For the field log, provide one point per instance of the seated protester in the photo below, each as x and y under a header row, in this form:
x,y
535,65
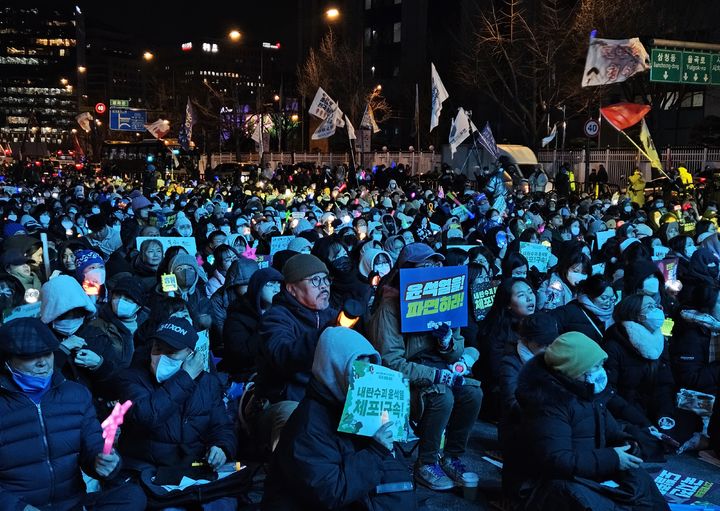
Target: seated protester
x,y
190,289
162,311
439,397
86,353
290,331
514,265
591,313
144,265
241,337
683,247
90,272
178,416
535,332
15,263
314,466
644,277
702,270
346,282
639,371
374,265
50,432
65,262
560,288
234,287
223,257
12,294
576,444
102,238
121,317
692,354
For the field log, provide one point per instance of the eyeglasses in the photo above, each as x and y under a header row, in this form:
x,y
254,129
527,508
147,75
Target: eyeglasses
x,y
429,264
319,281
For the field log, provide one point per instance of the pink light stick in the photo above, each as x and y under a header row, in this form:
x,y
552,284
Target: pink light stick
x,y
112,423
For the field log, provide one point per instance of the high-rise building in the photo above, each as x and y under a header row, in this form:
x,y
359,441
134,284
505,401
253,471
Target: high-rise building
x,y
39,74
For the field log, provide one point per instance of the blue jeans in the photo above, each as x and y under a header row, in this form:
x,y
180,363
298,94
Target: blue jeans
x,y
221,504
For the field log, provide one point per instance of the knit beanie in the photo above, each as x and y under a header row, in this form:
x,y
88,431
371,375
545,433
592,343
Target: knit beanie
x,y
302,266
85,258
298,244
573,354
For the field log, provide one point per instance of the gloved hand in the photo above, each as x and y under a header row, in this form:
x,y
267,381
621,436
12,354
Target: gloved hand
x,y
445,377
443,335
463,367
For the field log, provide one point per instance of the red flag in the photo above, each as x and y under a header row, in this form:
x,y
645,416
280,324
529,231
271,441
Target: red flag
x,y
624,115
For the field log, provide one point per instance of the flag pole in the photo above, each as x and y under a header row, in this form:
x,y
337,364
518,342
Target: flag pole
x,y
642,151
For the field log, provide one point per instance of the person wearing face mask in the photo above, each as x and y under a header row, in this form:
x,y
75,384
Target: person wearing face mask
x,y
346,280
591,313
643,277
223,257
51,432
132,225
638,368
183,226
300,245
121,317
178,417
12,293
90,272
235,286
18,265
560,288
393,245
189,287
102,237
683,247
577,443
85,354
241,337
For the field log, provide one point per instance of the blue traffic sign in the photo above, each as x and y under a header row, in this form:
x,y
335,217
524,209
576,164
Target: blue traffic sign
x,y
127,119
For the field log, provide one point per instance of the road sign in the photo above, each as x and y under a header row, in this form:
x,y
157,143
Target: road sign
x,y
100,108
591,128
119,103
665,65
696,67
127,119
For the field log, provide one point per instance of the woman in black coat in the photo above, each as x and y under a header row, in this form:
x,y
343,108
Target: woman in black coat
x,y
591,312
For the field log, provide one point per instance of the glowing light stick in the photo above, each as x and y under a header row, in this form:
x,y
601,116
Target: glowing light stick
x,y
112,423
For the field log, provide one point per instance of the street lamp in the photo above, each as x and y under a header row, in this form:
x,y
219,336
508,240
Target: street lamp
x,y
234,35
332,14
63,81
81,69
294,117
148,56
276,97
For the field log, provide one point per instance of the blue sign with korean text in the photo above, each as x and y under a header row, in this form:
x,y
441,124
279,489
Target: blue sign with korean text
x,y
127,119
430,296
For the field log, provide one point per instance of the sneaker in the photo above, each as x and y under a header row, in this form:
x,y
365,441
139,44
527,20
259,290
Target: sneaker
x,y
458,472
433,477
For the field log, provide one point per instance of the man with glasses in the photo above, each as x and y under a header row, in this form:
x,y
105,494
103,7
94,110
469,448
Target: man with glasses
x,y
289,333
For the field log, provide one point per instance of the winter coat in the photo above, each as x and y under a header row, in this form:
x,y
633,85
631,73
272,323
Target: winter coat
x,y
690,358
238,274
646,386
553,293
215,282
315,467
289,333
573,317
173,423
44,446
636,191
121,339
145,275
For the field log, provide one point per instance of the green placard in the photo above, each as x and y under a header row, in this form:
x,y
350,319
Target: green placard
x,y
665,65
120,103
696,67
715,69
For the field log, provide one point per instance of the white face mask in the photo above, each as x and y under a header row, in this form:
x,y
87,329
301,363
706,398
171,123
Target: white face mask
x,y
126,309
575,230
67,327
575,278
96,276
44,220
598,379
651,286
164,367
382,269
654,320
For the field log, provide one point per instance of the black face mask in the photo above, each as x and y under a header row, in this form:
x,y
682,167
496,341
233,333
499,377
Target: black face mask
x,y
342,264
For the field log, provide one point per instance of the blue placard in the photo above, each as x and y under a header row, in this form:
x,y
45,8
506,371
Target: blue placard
x,y
429,296
127,119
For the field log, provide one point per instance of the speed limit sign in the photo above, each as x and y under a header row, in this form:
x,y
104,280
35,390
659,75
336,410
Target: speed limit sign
x,y
591,128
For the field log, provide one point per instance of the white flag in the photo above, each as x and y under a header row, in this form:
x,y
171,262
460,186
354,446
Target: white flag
x,y
327,128
257,132
460,130
84,120
159,128
350,129
368,120
550,137
439,94
614,60
323,105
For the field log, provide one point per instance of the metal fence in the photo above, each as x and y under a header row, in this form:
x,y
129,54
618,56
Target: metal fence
x,y
620,163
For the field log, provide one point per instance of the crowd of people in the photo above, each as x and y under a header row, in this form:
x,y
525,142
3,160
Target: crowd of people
x,y
578,364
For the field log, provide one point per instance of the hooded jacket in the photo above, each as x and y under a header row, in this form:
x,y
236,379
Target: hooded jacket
x,y
314,466
690,357
290,332
702,270
241,338
238,274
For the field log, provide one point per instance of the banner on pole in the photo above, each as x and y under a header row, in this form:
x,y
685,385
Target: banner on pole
x,y
439,94
614,60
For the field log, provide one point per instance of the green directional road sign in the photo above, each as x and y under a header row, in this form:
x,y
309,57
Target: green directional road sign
x,y
665,65
119,103
696,68
715,69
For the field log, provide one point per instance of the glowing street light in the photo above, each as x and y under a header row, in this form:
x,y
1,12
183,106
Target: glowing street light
x,y
82,69
234,35
63,81
148,56
276,97
294,117
332,13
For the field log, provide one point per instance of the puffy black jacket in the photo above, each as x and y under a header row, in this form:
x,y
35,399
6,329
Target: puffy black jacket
x,y
569,428
44,446
573,317
646,386
690,358
173,423
315,467
241,338
289,332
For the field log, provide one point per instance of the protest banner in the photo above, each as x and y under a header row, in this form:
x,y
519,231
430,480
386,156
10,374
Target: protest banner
x,y
376,395
669,268
279,243
431,296
537,255
684,489
602,236
483,296
171,241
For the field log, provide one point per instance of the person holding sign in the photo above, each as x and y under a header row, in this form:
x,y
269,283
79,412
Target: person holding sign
x,y
315,466
441,397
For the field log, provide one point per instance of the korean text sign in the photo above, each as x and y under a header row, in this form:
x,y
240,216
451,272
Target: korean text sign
x,y
430,296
